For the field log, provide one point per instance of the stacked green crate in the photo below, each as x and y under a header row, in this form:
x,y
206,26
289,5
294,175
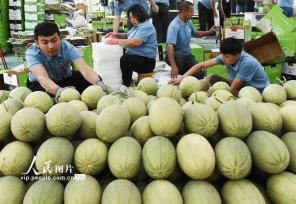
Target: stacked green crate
x,y
4,25
34,13
16,16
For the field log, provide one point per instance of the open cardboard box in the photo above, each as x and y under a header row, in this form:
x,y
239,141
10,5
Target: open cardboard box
x,y
265,49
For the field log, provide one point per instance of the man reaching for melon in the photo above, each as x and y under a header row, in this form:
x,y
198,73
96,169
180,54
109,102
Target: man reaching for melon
x,y
243,69
49,61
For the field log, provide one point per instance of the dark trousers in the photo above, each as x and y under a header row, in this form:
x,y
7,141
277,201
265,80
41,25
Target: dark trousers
x,y
161,22
227,11
184,63
76,80
206,17
136,63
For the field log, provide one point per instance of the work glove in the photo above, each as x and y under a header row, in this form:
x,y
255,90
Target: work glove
x,y
105,88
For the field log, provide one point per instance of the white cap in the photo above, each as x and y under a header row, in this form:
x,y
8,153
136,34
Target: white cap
x,y
190,1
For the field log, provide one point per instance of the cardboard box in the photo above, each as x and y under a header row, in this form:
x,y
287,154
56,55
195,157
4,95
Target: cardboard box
x,y
17,3
265,49
289,68
16,78
15,15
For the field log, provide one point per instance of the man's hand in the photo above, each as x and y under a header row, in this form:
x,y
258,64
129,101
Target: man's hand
x,y
176,81
174,72
212,30
105,88
111,41
215,13
155,8
113,35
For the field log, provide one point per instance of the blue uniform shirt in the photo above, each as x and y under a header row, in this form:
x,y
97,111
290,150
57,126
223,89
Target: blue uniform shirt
x,y
179,34
119,7
146,32
206,3
165,2
57,67
248,69
286,3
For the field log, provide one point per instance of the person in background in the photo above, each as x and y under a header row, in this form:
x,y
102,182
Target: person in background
x,y
257,4
49,61
141,42
224,10
180,31
207,12
160,20
124,5
243,69
287,6
250,4
240,6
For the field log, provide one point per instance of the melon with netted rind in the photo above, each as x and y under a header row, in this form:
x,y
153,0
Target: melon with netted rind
x,y
83,191
28,124
165,117
45,192
223,95
250,92
5,120
11,105
159,157
20,93
121,191
106,101
248,102
141,129
201,119
290,141
112,123
290,88
69,94
269,153
274,93
148,85
281,188
219,86
266,117
54,153
199,97
3,95
288,103
188,86
40,100
79,105
140,95
233,158
200,192
196,156
12,190
91,95
235,119
135,107
161,191
213,102
15,158
91,156
63,119
289,118
169,91
236,191
124,158
88,125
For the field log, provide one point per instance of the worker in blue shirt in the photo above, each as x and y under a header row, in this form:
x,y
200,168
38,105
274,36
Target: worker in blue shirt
x,y
124,5
243,69
141,44
180,31
206,12
49,61
287,6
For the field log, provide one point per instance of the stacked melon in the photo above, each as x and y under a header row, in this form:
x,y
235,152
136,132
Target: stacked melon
x,y
150,144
